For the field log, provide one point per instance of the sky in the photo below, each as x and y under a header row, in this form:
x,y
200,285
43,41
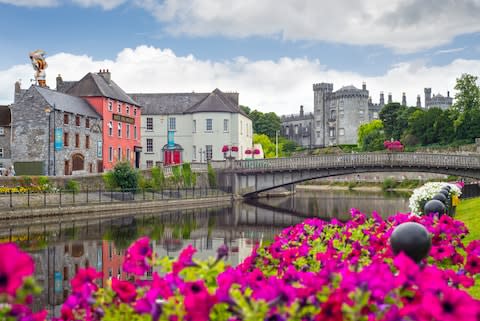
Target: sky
x,y
269,51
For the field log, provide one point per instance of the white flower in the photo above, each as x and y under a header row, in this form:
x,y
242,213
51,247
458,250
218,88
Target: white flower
x,y
425,193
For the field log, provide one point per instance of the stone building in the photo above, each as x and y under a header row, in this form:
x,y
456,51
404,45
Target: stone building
x,y
336,116
5,138
437,100
54,134
192,127
298,128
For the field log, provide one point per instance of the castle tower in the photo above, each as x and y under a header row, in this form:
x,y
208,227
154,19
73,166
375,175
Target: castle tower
x,y
320,93
301,110
382,99
389,98
428,96
364,86
419,102
404,99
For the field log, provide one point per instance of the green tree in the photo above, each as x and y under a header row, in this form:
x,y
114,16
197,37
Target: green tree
x,y
123,176
390,115
212,176
267,145
371,136
263,123
468,95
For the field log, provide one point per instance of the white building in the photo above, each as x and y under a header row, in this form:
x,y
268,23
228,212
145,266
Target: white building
x,y
199,125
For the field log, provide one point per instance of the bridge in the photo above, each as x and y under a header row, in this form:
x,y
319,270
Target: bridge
x,y
250,177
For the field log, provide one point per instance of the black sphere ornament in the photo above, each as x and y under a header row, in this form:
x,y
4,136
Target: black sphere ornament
x,y
444,192
434,206
412,239
447,187
440,197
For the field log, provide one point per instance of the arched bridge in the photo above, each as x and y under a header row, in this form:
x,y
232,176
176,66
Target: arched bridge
x,y
249,177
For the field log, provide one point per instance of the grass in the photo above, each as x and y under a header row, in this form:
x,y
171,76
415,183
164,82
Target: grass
x,y
468,211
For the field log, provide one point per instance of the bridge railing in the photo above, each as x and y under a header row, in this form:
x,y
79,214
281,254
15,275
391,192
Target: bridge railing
x,y
361,160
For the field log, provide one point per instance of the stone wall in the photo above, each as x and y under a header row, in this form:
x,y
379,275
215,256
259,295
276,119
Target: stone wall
x,y
5,145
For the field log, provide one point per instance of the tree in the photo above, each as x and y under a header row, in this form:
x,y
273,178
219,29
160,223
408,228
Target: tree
x,y
267,145
468,96
123,176
263,123
371,136
389,115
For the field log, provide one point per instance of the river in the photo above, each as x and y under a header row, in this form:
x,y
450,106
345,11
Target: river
x,y
59,251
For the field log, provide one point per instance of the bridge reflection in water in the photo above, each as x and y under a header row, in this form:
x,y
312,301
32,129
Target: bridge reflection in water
x,y
61,249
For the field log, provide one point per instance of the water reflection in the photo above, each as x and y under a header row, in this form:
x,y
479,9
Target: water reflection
x,y
60,249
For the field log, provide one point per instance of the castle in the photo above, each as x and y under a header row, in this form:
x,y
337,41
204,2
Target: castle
x,y
338,114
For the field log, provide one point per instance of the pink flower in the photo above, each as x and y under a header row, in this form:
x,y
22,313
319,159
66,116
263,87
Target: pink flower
x,y
15,265
84,280
197,301
124,289
473,264
184,259
137,258
451,305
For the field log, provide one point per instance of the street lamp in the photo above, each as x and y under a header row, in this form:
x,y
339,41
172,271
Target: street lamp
x,y
276,144
47,112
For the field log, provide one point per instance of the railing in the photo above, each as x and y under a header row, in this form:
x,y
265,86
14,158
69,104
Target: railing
x,y
62,198
361,160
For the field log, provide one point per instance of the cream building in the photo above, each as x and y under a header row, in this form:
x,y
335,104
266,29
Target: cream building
x,y
192,127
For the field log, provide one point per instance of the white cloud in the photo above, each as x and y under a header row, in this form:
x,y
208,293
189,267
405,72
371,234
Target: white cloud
x,y
105,4
406,26
280,86
31,3
449,51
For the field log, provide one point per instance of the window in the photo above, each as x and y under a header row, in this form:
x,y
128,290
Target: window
x,y
375,115
77,140
119,129
333,114
149,123
77,120
341,132
1,152
361,111
2,131
149,163
127,109
296,129
119,108
149,145
172,123
90,167
110,128
110,154
209,124
135,132
87,142
332,132
194,126
241,128
110,105
65,139
128,154
341,113
87,123
134,111
318,134
65,119
194,152
208,148
119,155
128,130
225,125
287,131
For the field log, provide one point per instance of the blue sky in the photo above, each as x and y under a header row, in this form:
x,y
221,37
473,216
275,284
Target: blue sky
x,y
271,57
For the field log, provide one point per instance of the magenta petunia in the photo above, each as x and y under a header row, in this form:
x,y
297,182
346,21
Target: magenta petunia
x,y
473,264
15,265
125,290
184,259
197,301
138,256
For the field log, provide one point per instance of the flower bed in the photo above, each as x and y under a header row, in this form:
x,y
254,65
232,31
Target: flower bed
x,y
425,193
315,270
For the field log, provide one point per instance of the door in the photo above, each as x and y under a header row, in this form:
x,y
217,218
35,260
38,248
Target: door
x,y
67,167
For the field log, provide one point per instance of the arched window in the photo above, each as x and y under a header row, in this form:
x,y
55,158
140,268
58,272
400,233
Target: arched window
x,y
78,162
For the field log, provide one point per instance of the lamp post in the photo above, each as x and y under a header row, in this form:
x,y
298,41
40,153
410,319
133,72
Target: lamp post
x,y
276,144
54,151
47,112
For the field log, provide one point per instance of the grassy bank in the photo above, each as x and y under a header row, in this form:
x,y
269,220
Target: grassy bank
x,y
468,211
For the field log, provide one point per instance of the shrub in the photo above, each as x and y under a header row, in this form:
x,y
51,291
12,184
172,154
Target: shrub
x,y
187,175
158,178
388,183
109,180
72,186
177,174
125,176
212,177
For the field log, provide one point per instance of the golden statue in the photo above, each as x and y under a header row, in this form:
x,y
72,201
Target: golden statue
x,y
39,64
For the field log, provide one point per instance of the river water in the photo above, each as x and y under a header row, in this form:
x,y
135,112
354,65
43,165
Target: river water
x,y
59,251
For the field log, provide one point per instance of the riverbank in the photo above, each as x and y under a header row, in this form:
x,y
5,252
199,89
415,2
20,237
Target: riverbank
x,y
370,187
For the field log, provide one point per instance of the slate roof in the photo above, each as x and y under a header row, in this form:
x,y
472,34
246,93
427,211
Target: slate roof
x,y
186,103
5,116
95,85
348,88
67,103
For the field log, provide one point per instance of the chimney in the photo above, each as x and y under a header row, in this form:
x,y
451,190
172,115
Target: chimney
x,y
301,110
419,102
389,98
364,86
382,99
59,82
404,99
448,93
105,73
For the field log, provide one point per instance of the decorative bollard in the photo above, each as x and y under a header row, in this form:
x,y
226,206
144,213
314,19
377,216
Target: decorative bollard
x,y
444,192
434,206
412,239
440,197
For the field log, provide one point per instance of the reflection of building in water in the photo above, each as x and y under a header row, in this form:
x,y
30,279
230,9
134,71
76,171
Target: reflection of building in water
x,y
56,266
